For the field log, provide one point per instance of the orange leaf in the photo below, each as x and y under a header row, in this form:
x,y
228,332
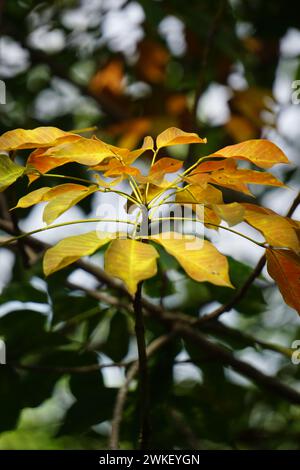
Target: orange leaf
x,y
261,152
115,168
85,151
31,138
161,167
225,173
38,161
284,267
277,230
152,62
175,136
109,79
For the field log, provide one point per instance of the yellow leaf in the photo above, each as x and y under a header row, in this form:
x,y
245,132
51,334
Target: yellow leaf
x,y
131,261
175,136
284,267
277,230
202,264
200,195
70,249
261,152
47,193
129,156
32,198
232,213
85,151
31,138
65,200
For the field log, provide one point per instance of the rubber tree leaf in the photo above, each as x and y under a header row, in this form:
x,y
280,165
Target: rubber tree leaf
x,y
32,138
85,151
71,249
261,152
131,261
284,267
277,230
201,264
175,136
64,201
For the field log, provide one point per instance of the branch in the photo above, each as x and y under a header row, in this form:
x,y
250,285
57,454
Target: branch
x,y
224,356
66,369
144,399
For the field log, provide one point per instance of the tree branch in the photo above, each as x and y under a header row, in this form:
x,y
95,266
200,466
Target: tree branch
x,y
225,357
143,400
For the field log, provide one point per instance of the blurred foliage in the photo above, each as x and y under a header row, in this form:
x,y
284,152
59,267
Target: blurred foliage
x,y
133,68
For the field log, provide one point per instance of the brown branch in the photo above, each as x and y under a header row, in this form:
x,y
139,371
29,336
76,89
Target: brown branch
x,y
65,369
143,399
122,393
225,357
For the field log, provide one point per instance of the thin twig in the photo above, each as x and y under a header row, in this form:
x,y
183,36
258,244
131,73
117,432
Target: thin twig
x,y
143,396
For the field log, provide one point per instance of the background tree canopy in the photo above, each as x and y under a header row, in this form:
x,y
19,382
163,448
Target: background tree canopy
x,y
221,68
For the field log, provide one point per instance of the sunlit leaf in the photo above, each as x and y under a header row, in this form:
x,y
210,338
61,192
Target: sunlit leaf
x,y
200,195
225,173
31,138
204,263
114,168
71,249
9,172
232,213
131,261
161,168
129,156
38,163
262,152
175,136
85,151
277,230
284,267
65,200
33,198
